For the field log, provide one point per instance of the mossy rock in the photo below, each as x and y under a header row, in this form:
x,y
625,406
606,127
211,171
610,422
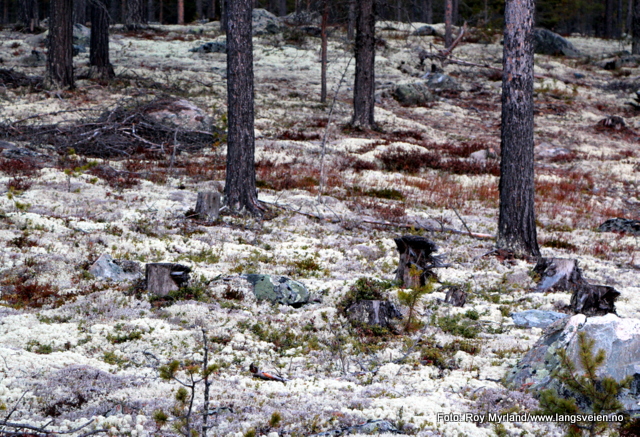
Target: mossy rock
x,y
278,289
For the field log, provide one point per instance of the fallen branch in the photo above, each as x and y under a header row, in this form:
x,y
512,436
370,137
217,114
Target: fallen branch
x,y
389,224
447,51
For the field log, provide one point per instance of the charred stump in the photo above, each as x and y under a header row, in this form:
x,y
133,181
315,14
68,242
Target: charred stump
x,y
163,278
208,205
558,274
416,260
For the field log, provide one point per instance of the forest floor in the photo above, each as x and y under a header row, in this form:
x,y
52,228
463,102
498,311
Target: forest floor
x,y
76,348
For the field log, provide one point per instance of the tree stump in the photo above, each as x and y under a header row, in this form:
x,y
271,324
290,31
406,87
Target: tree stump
x,y
416,260
208,205
558,274
455,296
373,312
163,278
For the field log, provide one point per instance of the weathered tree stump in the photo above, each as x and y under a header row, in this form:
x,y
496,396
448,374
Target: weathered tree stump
x,y
373,312
455,296
208,205
416,260
558,274
163,278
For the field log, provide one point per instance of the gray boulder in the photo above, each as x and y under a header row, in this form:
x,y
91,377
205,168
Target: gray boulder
x,y
278,289
211,47
412,94
373,313
536,318
618,337
439,81
549,43
265,23
181,114
425,30
106,267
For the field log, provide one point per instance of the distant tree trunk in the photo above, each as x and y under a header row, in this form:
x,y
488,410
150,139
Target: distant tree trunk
x,y
134,15
100,66
427,11
455,9
28,14
224,19
351,25
448,16
151,11
60,57
609,19
114,11
240,185
211,9
516,223
282,8
180,11
199,10
635,28
323,56
80,12
364,87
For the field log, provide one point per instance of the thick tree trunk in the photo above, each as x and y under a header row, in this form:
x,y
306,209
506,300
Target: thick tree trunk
x,y
351,24
635,28
28,13
134,15
60,57
427,11
100,67
80,11
180,11
323,56
364,87
448,17
516,225
609,19
240,186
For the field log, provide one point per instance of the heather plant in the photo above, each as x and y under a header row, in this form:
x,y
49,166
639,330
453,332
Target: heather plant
x,y
599,395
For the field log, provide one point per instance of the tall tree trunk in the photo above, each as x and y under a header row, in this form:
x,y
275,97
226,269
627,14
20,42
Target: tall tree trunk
x,y
151,11
211,10
240,185
351,25
427,11
635,28
100,66
629,23
455,9
224,19
134,15
28,14
60,57
516,223
282,8
114,11
364,87
323,56
80,12
609,19
199,10
180,11
448,16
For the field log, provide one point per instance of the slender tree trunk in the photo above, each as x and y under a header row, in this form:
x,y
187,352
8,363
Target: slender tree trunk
x,y
454,11
323,56
635,28
199,10
211,10
80,12
134,15
448,16
151,11
282,8
28,14
609,19
427,11
516,225
224,19
100,66
240,186
60,57
351,25
364,87
114,11
180,11
161,12
5,12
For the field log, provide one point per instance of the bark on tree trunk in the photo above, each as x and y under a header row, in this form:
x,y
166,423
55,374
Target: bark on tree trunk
x,y
323,56
427,11
516,224
180,11
100,66
609,19
60,57
454,12
134,15
80,12
448,15
151,11
364,87
635,45
199,10
240,185
351,25
114,11
28,13
282,8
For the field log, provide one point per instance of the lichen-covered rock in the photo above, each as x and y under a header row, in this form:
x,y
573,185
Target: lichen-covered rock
x,y
438,82
278,289
106,267
264,22
536,318
548,43
373,312
412,94
211,47
180,114
618,337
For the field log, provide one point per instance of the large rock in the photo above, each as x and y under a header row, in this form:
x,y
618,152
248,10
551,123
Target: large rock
x,y
106,267
211,47
549,43
373,313
180,114
264,22
440,82
413,94
618,337
536,318
278,289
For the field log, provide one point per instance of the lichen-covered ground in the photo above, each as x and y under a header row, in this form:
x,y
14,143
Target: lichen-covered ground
x,y
75,348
